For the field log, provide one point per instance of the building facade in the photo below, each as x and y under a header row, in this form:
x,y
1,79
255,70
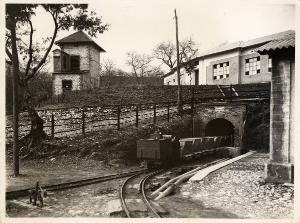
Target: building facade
x,y
76,63
235,63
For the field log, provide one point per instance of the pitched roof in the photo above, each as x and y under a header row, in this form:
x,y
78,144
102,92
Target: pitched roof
x,y
285,42
78,37
248,43
244,44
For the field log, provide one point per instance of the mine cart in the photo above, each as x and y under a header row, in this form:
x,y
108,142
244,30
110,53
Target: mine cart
x,y
158,151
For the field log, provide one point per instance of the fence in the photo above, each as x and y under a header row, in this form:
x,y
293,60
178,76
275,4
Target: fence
x,y
81,120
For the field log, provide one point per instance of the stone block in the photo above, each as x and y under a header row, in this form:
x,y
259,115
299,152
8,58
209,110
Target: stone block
x,y
279,172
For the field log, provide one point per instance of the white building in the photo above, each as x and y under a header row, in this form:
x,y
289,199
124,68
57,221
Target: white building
x,y
235,63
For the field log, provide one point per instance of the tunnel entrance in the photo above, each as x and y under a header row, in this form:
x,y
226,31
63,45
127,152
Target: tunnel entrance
x,y
219,127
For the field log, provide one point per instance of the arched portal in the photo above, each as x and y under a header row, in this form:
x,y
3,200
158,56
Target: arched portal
x,y
219,127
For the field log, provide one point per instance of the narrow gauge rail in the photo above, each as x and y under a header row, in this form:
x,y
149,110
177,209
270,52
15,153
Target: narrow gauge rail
x,y
24,192
140,193
137,193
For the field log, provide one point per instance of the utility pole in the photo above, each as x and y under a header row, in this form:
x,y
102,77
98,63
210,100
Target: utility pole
x,y
179,93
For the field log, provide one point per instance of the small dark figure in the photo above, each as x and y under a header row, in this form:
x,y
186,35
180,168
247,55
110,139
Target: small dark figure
x,y
37,194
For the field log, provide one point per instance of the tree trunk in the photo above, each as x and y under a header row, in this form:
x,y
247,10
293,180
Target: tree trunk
x,y
15,64
34,138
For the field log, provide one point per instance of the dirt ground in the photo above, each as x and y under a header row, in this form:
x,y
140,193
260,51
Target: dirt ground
x,y
235,191
87,201
61,169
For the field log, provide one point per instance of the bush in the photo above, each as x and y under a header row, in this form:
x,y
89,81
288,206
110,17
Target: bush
x,y
109,144
257,127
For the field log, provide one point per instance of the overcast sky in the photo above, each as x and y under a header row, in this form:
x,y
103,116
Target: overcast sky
x,y
141,24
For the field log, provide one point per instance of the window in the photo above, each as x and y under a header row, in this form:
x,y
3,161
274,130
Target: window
x,y
252,66
75,62
270,65
67,85
221,71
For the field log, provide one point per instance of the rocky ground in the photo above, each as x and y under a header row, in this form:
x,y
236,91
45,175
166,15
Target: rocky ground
x,y
235,191
239,191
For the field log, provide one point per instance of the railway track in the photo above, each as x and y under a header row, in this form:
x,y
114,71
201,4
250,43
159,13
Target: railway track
x,y
133,189
24,192
134,199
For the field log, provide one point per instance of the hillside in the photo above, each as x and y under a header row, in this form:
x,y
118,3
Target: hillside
x,y
149,94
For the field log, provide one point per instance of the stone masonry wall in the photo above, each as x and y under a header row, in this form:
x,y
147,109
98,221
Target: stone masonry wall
x,y
232,113
82,50
280,166
94,55
57,82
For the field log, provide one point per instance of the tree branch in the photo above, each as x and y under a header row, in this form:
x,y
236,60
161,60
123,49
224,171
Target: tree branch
x,y
37,67
30,48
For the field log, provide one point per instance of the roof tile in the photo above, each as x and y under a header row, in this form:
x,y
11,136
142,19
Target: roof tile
x,y
286,42
78,37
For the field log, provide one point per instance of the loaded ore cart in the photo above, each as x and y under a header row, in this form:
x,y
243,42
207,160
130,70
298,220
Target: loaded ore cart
x,y
158,151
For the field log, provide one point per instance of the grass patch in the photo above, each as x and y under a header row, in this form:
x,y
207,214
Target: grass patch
x,y
110,145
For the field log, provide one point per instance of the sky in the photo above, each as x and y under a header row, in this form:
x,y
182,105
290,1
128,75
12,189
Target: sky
x,y
140,25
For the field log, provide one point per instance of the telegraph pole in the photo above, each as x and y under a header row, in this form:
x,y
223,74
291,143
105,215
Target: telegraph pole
x,y
179,93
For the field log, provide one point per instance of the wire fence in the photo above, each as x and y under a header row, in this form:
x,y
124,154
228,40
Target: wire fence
x,y
74,121
81,120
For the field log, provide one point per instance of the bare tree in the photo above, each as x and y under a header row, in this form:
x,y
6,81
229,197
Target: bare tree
x,y
108,70
108,67
187,50
140,64
166,52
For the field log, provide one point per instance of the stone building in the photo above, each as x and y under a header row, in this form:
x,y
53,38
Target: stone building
x,y
76,63
235,63
280,167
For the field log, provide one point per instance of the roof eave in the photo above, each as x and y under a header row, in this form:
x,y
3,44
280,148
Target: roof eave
x,y
58,43
273,50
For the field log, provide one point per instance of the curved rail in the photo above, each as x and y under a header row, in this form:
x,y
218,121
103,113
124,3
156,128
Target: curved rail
x,y
124,205
145,199
141,190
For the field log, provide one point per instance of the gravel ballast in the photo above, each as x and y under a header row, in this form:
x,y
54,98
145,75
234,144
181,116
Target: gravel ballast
x,y
239,189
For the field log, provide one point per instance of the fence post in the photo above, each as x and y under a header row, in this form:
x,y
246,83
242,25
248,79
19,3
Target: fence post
x,y
192,102
137,116
52,125
192,112
154,113
83,121
118,117
168,111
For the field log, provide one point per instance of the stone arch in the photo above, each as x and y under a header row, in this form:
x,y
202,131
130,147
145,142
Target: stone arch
x,y
233,114
219,127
